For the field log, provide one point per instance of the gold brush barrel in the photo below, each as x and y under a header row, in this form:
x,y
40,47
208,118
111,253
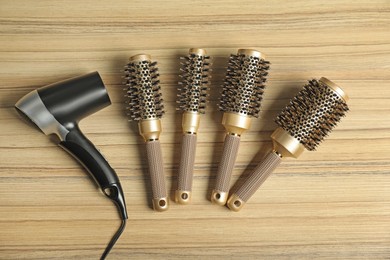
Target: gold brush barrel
x,y
145,106
303,124
240,101
192,101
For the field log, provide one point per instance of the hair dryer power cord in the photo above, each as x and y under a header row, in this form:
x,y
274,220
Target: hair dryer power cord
x,y
114,239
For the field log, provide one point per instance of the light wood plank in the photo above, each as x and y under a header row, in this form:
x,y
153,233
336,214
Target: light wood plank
x,y
330,204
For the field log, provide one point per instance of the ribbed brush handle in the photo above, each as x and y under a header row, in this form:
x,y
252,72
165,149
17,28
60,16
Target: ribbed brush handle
x,y
254,181
186,168
225,169
156,170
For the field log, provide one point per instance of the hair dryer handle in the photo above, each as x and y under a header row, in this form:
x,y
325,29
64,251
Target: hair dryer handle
x,y
86,153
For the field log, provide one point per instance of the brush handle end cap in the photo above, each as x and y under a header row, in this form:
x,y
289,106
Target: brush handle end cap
x,y
235,203
183,197
219,197
160,204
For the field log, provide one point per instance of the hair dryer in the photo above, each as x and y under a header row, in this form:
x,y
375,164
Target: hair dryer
x,y
57,109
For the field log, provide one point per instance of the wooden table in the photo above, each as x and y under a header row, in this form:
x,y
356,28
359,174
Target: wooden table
x,y
332,203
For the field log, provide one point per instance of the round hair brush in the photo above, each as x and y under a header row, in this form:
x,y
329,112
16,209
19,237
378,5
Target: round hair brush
x,y
145,106
192,101
303,124
240,101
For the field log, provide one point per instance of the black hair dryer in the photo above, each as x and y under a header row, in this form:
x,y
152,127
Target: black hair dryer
x,y
57,109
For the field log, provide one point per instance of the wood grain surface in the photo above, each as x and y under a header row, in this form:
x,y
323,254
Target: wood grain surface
x,y
331,204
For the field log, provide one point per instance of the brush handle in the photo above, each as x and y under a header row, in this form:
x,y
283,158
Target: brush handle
x,y
86,153
254,181
156,170
225,169
186,169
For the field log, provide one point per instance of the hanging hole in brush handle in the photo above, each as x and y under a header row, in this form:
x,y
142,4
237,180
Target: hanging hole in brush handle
x,y
86,153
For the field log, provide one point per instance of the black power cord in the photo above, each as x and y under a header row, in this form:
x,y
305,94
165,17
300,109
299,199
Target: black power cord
x,y
114,239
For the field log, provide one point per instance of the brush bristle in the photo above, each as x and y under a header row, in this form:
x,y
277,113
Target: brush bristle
x,y
244,85
312,114
193,86
143,90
